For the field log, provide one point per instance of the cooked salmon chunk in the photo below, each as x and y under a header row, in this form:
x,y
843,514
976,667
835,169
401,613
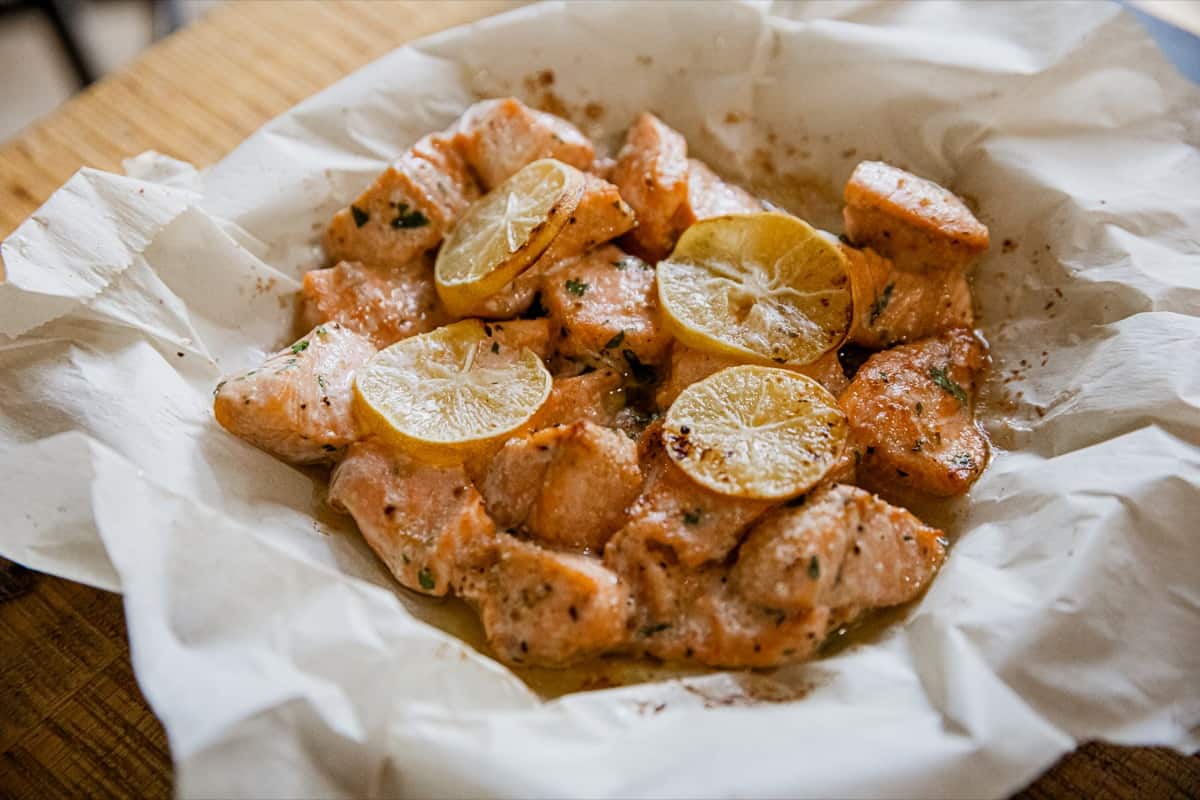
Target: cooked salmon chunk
x,y
892,306
566,486
385,304
407,210
605,305
514,335
548,608
426,523
913,221
498,137
693,613
675,513
844,549
595,396
709,196
652,175
600,216
296,405
910,414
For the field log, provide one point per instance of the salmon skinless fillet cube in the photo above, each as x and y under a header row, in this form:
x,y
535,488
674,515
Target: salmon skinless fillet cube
x,y
595,396
844,549
675,513
548,608
913,221
498,137
709,196
407,210
566,486
652,175
910,415
892,306
296,405
600,216
426,523
605,306
385,304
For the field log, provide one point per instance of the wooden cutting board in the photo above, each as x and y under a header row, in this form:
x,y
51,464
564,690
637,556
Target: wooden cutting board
x,y
72,720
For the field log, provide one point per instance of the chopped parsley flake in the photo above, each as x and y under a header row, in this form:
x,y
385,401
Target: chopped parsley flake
x,y
425,578
495,347
814,568
300,346
576,287
881,303
360,217
941,377
409,217
642,373
615,341
650,630
693,517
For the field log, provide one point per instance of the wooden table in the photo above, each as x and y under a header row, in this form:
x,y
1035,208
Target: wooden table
x,y
72,720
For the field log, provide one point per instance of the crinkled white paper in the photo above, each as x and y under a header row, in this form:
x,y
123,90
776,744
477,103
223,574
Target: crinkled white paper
x,y
284,661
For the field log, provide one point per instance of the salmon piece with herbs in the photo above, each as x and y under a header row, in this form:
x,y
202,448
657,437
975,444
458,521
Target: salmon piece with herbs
x,y
910,413
893,306
843,549
407,210
566,486
385,304
296,405
605,307
498,137
709,196
652,175
913,221
548,608
426,523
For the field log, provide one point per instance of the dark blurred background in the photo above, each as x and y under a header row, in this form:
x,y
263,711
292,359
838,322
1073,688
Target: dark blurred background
x,y
50,49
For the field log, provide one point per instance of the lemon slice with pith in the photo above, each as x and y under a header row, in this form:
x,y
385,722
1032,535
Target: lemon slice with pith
x,y
755,432
766,287
504,232
448,392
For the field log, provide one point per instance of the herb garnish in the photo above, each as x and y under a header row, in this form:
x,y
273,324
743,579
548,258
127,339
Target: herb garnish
x,y
941,377
425,578
642,373
495,347
576,287
615,341
300,346
693,517
881,303
360,217
409,217
650,630
814,568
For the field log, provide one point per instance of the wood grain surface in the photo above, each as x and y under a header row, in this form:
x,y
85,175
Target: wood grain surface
x,y
72,720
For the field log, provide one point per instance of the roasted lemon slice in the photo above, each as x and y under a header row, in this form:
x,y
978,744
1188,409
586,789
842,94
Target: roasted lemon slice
x,y
763,286
449,392
504,232
755,432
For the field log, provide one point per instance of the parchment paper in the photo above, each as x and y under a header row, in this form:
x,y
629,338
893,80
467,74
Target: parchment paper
x,y
282,659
